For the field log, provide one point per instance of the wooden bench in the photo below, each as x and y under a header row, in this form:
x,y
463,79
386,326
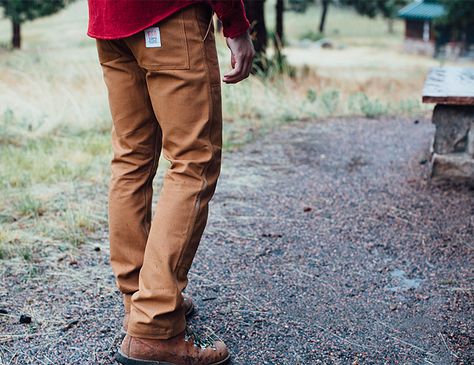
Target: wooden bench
x,y
452,150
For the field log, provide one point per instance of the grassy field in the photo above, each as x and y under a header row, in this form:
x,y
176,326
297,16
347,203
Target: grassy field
x,y
54,121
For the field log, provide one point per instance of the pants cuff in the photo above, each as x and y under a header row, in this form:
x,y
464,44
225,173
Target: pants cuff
x,y
161,329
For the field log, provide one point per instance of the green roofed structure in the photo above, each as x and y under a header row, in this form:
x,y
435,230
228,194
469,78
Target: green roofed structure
x,y
419,16
422,10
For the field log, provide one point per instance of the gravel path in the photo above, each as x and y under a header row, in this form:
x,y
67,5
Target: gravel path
x,y
326,245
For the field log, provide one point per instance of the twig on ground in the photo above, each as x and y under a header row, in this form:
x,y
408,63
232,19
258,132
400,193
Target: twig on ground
x,y
10,336
315,278
446,345
411,345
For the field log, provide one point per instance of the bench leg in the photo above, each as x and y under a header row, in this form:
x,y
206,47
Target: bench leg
x,y
453,123
453,144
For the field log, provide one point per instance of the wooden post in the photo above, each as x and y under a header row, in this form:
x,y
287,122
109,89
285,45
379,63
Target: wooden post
x,y
16,35
390,22
279,22
323,16
256,16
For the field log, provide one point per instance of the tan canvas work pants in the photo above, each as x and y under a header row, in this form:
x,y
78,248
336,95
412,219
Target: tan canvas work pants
x,y
164,98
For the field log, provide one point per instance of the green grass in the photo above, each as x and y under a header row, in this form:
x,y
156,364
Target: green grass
x,y
47,186
78,224
54,119
29,207
342,24
54,159
15,243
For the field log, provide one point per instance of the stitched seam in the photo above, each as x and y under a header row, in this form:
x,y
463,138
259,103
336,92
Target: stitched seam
x,y
149,180
153,161
186,41
204,171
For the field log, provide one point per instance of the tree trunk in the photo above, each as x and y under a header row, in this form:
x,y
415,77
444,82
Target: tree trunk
x,y
279,23
323,16
256,16
390,22
16,35
218,26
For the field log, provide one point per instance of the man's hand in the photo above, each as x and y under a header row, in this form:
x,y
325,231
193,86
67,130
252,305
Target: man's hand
x,y
242,53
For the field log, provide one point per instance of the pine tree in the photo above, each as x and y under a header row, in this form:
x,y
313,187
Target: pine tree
x,y
255,10
371,8
20,11
459,15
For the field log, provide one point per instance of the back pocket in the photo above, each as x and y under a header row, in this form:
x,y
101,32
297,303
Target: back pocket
x,y
173,52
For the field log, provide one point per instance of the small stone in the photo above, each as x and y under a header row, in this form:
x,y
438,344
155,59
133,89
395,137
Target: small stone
x,y
25,319
393,307
423,162
70,324
97,249
272,235
3,311
208,298
416,121
422,297
307,209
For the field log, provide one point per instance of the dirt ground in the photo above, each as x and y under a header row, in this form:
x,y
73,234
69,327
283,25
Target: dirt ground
x,y
326,245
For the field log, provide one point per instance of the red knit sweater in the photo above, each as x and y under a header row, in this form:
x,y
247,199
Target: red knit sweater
x,y
113,19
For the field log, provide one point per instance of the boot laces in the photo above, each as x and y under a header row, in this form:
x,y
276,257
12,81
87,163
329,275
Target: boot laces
x,y
198,341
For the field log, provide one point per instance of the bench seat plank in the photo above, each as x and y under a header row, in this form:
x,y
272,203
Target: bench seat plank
x,y
449,85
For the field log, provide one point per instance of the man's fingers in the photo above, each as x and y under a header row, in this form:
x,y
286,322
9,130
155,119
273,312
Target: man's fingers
x,y
245,69
242,52
248,66
240,72
233,76
237,70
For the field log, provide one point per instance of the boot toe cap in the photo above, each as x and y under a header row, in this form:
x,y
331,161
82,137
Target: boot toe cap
x,y
221,351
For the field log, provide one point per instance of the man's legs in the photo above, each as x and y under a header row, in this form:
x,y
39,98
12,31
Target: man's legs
x,y
170,95
184,86
136,141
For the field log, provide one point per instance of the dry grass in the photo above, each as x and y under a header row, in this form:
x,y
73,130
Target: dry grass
x,y
54,119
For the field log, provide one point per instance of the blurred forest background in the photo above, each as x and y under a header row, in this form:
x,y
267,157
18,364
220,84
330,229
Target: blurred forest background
x,y
318,59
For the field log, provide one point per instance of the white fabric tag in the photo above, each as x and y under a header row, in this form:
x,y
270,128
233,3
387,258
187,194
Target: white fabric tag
x,y
152,37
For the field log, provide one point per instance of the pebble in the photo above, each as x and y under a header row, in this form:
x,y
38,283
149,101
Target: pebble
x,y
25,319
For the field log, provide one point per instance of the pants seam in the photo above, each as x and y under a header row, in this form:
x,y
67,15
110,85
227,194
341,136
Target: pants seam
x,y
204,171
150,172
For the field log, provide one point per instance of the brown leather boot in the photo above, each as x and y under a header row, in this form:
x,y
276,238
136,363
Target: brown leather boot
x,y
184,349
188,306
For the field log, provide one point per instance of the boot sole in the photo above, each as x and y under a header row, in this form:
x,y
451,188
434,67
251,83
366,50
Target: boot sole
x,y
190,311
125,360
